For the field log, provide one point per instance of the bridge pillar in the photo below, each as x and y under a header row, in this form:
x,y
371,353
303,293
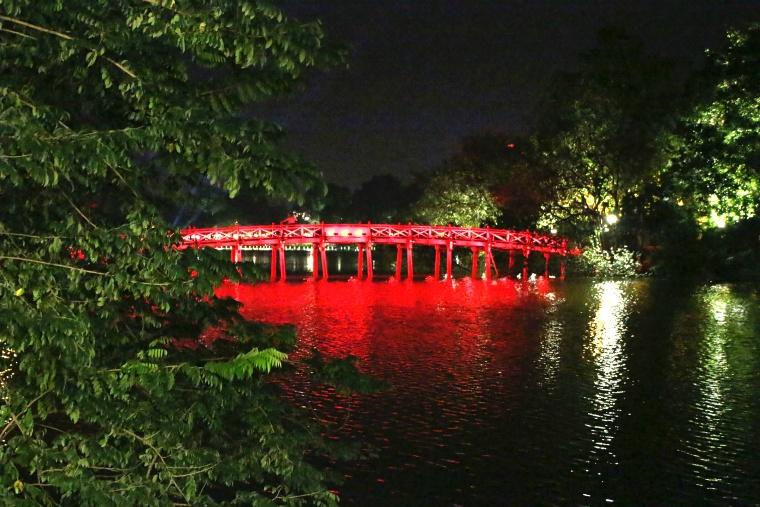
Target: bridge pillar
x,y
562,268
323,258
526,254
437,265
511,264
547,258
236,254
283,274
273,265
360,262
409,262
449,255
370,268
488,263
474,270
314,262
398,262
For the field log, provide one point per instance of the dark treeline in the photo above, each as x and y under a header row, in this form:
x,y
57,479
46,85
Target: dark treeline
x,y
631,156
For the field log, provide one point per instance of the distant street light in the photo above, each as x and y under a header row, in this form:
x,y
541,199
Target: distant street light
x,y
611,219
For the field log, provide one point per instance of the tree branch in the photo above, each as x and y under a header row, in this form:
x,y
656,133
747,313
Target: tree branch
x,y
80,212
64,36
36,27
74,268
20,34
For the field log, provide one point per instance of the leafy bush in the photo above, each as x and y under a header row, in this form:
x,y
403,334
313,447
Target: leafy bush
x,y
606,262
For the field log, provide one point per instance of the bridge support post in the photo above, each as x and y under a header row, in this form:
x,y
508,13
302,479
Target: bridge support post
x,y
314,262
283,273
474,270
273,265
562,268
370,268
409,262
360,262
398,262
547,258
449,255
323,258
488,263
236,254
526,254
437,265
511,264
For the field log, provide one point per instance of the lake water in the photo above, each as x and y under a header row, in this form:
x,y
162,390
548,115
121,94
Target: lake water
x,y
536,393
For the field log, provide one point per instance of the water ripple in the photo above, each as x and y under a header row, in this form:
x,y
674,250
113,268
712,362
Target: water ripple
x,y
586,393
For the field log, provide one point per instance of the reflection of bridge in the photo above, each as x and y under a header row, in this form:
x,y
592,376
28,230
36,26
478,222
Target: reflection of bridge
x,y
364,236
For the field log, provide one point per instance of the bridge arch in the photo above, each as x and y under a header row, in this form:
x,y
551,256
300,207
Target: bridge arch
x,y
365,236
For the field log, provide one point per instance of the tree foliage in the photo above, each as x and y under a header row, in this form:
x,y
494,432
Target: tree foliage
x,y
518,182
602,132
716,171
457,195
127,381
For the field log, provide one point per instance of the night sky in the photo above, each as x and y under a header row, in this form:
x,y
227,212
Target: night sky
x,y
424,74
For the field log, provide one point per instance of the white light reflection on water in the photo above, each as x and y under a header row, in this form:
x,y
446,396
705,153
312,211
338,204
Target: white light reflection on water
x,y
606,334
710,448
714,358
550,346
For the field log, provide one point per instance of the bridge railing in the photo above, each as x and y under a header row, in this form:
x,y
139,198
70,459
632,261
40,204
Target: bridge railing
x,y
376,233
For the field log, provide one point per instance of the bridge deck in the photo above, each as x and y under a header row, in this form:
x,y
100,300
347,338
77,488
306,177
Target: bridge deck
x,y
364,236
288,234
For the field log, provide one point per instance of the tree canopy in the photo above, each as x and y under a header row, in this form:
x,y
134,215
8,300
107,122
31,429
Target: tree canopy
x,y
716,169
127,381
457,195
601,134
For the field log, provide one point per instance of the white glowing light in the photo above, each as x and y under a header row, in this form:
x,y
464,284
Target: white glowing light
x,y
718,220
611,219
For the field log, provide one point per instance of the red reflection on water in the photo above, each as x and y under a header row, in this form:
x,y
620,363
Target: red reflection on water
x,y
395,323
453,353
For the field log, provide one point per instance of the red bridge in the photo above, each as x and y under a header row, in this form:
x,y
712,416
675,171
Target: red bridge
x,y
364,236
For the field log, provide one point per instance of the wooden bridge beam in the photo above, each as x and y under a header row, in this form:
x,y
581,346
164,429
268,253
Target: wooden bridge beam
x,y
370,268
236,254
273,265
437,265
314,262
283,273
547,258
449,255
526,254
409,261
488,263
360,262
323,258
474,270
398,262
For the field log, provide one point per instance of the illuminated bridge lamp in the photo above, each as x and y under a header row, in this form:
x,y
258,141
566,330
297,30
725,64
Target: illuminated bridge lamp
x,y
611,219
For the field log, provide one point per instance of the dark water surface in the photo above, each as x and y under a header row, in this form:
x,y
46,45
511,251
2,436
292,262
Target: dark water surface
x,y
537,393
